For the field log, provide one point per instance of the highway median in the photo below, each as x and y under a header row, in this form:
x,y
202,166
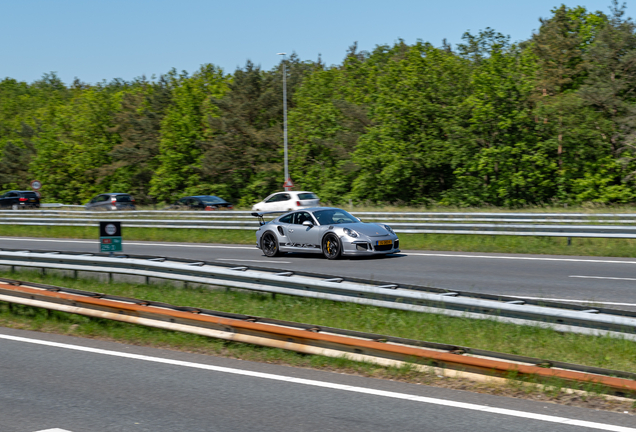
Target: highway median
x,y
609,247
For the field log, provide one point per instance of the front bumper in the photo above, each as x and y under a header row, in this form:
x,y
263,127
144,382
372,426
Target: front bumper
x,y
366,248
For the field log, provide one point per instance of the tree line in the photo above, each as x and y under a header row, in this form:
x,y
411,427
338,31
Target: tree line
x,y
549,120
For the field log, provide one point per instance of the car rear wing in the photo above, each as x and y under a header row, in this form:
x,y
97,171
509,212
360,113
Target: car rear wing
x,y
261,215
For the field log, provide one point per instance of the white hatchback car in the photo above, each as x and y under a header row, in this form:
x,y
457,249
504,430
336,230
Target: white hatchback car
x,y
287,201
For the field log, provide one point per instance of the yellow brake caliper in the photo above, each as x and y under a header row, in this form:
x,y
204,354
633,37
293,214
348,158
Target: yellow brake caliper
x,y
328,246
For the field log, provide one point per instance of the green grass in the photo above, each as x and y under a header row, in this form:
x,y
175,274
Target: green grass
x,y
603,352
432,242
180,235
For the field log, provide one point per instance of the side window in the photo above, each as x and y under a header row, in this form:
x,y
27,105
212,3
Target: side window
x,y
301,217
287,218
183,201
12,195
102,198
279,197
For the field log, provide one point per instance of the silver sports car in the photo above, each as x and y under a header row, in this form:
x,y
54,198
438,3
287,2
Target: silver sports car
x,y
327,230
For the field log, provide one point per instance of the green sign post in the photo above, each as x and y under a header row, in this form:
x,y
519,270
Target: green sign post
x,y
110,237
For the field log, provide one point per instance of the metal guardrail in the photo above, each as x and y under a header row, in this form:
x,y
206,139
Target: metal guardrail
x,y
58,210
562,317
604,225
56,205
450,360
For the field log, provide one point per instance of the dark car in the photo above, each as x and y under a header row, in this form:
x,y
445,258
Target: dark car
x,y
202,202
111,201
18,200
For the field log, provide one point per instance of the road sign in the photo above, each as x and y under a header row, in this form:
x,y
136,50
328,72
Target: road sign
x,y
110,237
288,184
36,185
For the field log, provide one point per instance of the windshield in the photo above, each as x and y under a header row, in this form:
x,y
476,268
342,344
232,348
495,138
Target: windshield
x,y
211,200
334,216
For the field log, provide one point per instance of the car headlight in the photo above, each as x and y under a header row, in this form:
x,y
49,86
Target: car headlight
x,y
350,232
389,229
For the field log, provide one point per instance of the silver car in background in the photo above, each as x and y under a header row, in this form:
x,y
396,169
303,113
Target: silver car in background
x,y
327,230
111,202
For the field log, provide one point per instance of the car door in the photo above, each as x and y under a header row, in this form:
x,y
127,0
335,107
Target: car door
x,y
182,204
10,199
5,201
102,202
277,202
191,204
306,237
196,204
282,228
284,202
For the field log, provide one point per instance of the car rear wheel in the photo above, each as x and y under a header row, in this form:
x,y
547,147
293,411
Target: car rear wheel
x,y
269,245
331,247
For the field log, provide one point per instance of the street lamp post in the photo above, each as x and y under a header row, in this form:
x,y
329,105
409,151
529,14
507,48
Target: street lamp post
x,y
287,179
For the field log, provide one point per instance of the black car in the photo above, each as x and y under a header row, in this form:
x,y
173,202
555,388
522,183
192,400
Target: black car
x,y
18,200
202,202
111,201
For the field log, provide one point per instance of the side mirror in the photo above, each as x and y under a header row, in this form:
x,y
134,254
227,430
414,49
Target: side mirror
x,y
308,224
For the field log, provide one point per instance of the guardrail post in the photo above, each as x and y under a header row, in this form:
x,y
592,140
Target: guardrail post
x,y
110,278
569,241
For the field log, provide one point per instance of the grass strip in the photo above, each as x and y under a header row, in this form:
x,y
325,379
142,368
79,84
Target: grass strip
x,y
603,352
432,242
606,352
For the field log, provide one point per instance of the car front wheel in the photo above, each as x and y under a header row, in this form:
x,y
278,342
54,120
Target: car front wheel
x,y
15,207
331,247
269,245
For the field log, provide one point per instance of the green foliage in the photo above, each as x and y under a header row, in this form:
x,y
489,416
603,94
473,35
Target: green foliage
x,y
548,121
406,156
183,126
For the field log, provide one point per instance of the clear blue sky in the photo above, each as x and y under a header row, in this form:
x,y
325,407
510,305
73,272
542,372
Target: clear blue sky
x,y
96,40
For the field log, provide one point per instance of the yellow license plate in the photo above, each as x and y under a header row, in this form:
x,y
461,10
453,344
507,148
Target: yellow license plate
x,y
383,242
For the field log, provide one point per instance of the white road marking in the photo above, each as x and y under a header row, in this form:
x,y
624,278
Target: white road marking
x,y
244,260
602,277
523,258
334,386
54,430
95,242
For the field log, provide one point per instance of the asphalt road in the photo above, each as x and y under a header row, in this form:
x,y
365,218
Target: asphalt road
x,y
610,282
62,383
